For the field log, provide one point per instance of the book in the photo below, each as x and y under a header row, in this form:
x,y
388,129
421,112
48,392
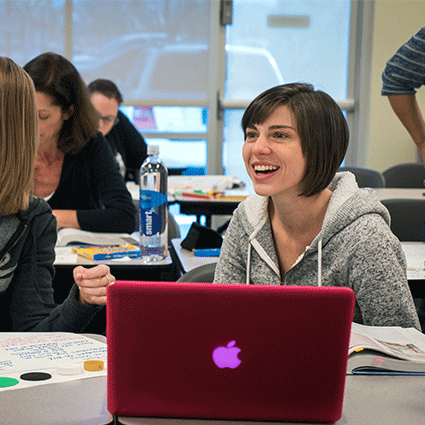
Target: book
x,y
389,350
107,252
68,236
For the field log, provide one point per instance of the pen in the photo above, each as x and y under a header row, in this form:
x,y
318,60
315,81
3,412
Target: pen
x,y
195,195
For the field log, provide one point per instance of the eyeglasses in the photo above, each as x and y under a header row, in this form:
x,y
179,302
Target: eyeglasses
x,y
110,119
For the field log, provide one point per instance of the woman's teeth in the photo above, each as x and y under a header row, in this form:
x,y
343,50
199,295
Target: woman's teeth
x,y
262,169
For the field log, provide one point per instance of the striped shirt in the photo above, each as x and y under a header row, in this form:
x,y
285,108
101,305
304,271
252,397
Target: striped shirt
x,y
405,71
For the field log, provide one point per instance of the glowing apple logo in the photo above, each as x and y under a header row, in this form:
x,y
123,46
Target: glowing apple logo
x,y
227,356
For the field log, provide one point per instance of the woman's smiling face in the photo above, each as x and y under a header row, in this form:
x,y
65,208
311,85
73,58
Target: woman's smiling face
x,y
273,155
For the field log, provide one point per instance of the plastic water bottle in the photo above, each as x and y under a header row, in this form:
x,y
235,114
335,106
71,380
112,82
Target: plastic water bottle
x,y
153,204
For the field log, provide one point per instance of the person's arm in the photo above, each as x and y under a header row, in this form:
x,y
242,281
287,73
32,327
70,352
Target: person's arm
x,y
404,73
66,218
118,213
32,306
376,271
231,267
408,112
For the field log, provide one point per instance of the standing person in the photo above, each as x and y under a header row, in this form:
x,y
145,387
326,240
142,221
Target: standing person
x,y
75,170
403,74
304,217
127,143
28,228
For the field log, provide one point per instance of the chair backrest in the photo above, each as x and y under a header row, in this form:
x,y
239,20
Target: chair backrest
x,y
407,218
201,274
366,177
173,228
407,175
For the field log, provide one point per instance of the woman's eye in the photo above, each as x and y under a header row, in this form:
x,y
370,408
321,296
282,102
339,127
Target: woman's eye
x,y
250,135
279,135
43,117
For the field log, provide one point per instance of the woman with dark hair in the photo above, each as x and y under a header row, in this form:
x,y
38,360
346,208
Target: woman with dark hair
x,y
306,224
28,228
75,170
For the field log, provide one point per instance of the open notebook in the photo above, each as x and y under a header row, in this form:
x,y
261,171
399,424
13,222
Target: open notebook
x,y
253,352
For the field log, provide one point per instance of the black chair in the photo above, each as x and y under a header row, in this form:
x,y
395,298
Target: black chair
x,y
406,175
407,218
201,274
366,177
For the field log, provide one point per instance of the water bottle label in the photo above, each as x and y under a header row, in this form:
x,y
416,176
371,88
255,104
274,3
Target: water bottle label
x,y
150,221
150,199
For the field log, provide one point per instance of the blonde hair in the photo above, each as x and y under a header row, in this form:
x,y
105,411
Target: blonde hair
x,y
19,137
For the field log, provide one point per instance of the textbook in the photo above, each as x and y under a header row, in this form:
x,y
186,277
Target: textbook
x,y
388,350
107,252
68,236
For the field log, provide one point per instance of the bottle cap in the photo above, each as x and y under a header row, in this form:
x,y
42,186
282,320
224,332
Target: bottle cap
x,y
153,150
93,365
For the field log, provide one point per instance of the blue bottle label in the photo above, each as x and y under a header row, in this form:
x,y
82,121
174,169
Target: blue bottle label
x,y
150,221
150,199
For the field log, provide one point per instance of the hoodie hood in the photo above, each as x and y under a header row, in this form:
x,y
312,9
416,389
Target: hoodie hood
x,y
348,202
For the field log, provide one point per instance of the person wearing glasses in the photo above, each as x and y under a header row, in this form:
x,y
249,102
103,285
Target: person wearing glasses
x,y
127,143
75,169
28,228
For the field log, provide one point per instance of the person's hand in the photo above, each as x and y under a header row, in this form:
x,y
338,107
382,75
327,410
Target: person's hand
x,y
92,283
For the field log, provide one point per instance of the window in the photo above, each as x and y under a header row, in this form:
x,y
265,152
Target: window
x,y
185,76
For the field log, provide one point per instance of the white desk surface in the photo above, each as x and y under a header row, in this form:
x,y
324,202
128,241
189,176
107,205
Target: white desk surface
x,y
400,193
188,259
72,403
414,251
415,256
377,400
64,256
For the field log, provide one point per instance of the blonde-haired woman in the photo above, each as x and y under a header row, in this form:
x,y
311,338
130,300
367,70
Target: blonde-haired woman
x,y
28,228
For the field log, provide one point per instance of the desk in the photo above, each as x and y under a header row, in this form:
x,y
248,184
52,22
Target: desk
x,y
198,207
72,403
399,193
414,251
185,259
207,208
377,400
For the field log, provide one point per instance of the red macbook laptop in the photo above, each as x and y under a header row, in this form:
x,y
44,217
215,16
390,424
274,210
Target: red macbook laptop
x,y
194,350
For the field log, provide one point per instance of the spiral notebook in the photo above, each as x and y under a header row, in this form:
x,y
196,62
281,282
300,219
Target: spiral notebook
x,y
253,352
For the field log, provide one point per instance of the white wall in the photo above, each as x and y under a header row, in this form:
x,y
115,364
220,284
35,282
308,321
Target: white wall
x,y
395,21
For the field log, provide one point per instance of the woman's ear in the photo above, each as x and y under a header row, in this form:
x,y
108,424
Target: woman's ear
x,y
68,113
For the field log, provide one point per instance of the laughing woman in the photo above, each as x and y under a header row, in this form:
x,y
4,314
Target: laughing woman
x,y
295,140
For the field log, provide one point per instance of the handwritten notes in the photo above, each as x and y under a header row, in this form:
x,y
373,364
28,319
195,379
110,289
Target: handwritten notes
x,y
52,352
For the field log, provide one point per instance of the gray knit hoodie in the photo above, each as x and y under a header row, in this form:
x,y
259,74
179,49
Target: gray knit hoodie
x,y
358,251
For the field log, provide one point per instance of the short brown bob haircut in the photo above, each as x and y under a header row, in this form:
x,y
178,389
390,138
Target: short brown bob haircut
x,y
18,137
321,126
56,77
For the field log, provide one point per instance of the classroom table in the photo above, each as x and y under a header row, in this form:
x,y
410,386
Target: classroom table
x,y
414,251
377,400
399,193
72,403
185,259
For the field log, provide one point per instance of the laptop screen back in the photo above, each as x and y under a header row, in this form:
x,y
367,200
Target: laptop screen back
x,y
253,352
